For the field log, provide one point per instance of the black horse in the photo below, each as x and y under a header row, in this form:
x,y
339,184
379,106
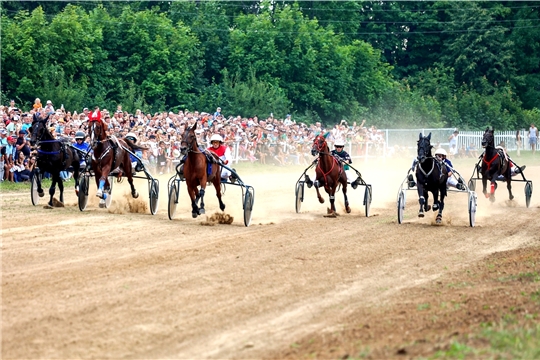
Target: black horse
x,y
494,163
53,157
431,176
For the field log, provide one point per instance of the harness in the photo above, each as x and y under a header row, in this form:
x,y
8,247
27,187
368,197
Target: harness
x,y
334,162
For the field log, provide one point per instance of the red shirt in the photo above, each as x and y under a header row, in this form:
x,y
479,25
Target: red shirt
x,y
220,151
95,116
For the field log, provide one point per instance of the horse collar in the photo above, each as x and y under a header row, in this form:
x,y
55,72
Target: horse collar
x,y
430,171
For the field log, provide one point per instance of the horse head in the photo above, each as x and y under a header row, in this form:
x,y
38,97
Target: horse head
x,y
488,140
189,140
424,147
319,145
38,129
97,130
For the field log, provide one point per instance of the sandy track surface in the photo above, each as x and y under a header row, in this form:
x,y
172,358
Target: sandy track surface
x,y
120,284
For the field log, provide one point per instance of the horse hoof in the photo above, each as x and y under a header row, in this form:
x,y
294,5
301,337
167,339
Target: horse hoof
x,y
321,200
102,204
194,215
428,208
420,214
492,198
41,194
348,209
438,221
435,207
135,195
201,211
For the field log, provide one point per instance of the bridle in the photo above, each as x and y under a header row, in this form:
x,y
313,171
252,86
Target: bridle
x,y
424,153
96,132
319,145
188,139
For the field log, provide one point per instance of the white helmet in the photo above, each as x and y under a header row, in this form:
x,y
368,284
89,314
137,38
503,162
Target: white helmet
x,y
339,142
440,151
216,137
132,137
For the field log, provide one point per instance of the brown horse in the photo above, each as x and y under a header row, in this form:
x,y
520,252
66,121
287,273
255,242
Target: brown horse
x,y
494,163
197,172
328,173
109,155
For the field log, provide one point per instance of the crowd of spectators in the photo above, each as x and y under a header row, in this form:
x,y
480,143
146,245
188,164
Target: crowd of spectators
x,y
267,140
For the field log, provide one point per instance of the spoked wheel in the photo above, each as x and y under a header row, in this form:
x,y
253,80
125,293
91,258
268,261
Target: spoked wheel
x,y
367,199
34,189
299,196
472,185
400,206
153,195
84,184
173,199
249,199
472,208
528,192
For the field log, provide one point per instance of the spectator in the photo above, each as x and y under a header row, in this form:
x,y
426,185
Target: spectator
x,y
518,142
453,143
533,137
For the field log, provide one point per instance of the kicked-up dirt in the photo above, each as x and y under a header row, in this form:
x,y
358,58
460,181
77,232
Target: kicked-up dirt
x,y
121,283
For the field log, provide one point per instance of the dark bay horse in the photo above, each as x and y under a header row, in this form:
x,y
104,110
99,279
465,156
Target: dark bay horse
x,y
328,173
110,155
431,176
494,163
53,157
197,174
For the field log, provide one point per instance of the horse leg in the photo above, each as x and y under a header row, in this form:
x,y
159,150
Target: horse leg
x,y
436,200
332,210
40,191
52,189
423,198
217,186
129,174
194,207
438,220
201,197
493,188
76,172
61,188
347,207
509,187
316,184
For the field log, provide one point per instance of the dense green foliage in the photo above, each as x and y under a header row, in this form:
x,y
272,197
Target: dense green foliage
x,y
395,63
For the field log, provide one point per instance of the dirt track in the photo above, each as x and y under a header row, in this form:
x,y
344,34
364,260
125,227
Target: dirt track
x,y
115,284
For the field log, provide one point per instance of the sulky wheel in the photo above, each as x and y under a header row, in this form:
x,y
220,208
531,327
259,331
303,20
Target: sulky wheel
x,y
84,184
249,199
173,199
299,193
472,185
472,208
367,199
153,196
400,206
528,193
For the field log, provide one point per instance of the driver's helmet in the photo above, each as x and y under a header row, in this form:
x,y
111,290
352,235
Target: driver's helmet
x,y
216,137
132,137
80,135
441,152
339,143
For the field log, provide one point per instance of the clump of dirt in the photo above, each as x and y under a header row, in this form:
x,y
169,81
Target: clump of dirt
x,y
57,203
129,205
218,218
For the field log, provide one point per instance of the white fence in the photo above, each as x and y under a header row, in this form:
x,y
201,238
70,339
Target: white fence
x,y
402,142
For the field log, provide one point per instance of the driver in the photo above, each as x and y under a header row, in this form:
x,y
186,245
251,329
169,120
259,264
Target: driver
x,y
344,157
440,154
224,153
83,146
135,162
